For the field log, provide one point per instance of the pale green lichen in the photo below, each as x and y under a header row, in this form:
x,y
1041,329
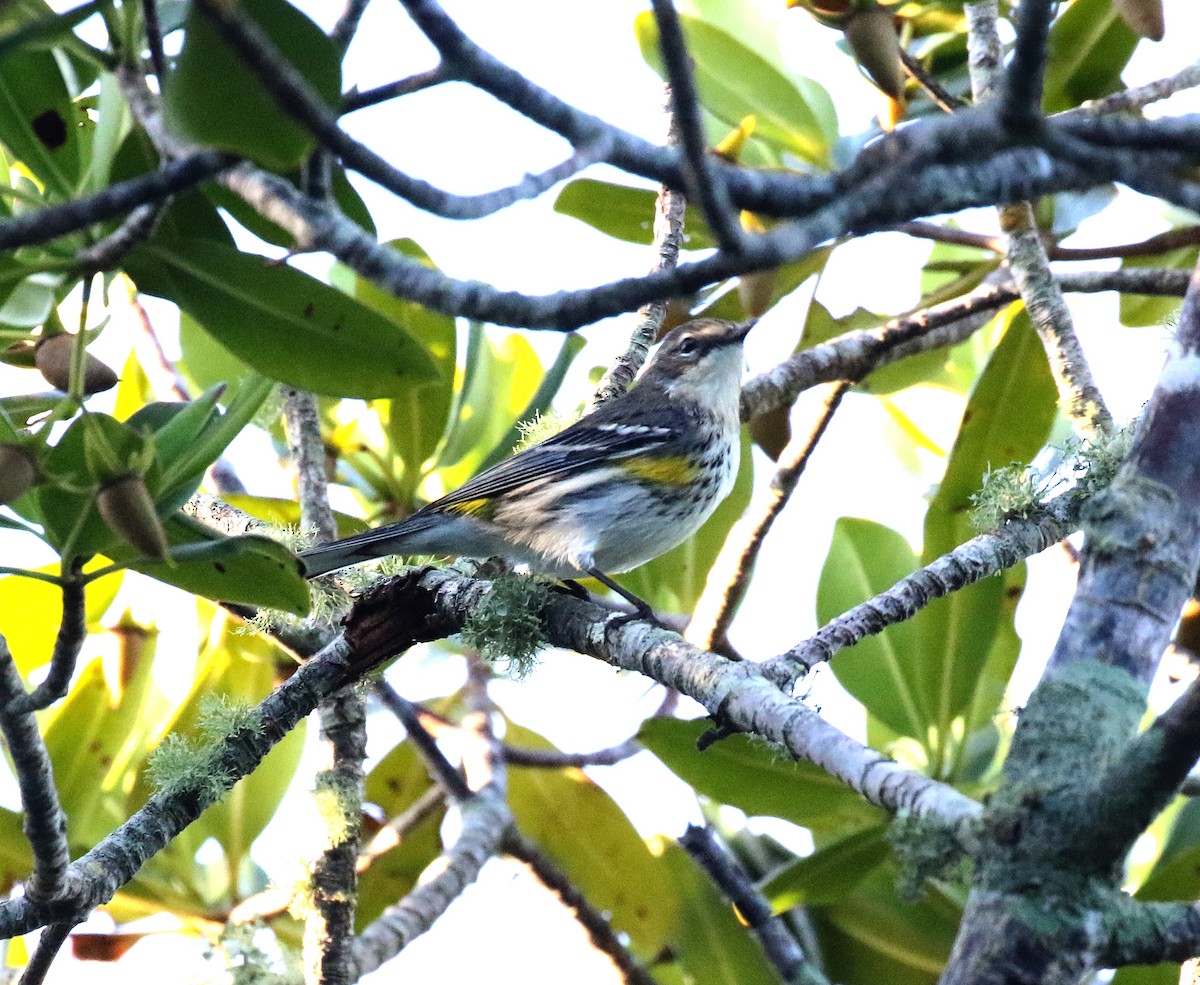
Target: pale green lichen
x,y
221,716
927,849
1018,492
239,958
338,803
180,766
506,627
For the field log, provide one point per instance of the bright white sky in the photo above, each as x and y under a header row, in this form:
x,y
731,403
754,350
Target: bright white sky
x,y
466,142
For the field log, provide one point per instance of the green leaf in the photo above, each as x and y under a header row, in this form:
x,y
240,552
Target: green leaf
x,y
981,742
735,82
756,778
206,363
38,121
184,451
499,380
625,213
212,98
286,512
1008,417
873,936
830,873
30,301
674,582
16,857
539,403
586,834
707,940
864,559
249,569
287,325
1087,50
1141,309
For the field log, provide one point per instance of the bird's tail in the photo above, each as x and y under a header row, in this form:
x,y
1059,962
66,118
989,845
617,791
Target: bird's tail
x,y
395,538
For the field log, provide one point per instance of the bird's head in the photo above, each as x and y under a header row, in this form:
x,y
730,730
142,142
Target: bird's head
x,y
701,360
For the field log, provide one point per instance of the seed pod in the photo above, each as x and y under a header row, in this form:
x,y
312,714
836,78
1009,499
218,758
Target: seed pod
x,y
126,506
1144,17
53,359
18,471
871,34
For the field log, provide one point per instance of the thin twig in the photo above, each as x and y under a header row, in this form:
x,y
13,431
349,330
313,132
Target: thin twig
x,y
42,225
555,759
154,39
729,577
49,943
329,927
486,820
307,449
167,365
957,237
393,833
670,208
347,24
942,98
778,944
1172,239
852,355
1151,92
393,90
447,777
72,631
709,194
599,930
136,228
1021,100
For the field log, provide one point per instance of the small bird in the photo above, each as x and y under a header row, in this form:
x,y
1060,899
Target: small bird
x,y
624,484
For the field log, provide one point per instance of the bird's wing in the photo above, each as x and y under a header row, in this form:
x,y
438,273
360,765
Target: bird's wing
x,y
598,437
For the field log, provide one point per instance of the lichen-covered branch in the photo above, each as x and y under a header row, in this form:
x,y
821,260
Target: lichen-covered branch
x,y
329,925
981,556
1079,784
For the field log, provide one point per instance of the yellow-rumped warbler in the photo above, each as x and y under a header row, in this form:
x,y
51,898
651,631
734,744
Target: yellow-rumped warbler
x,y
621,486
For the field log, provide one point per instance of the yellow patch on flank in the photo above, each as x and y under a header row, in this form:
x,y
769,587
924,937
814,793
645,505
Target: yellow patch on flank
x,y
674,470
469,508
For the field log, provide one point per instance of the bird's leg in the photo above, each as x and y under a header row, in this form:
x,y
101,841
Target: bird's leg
x,y
575,589
644,609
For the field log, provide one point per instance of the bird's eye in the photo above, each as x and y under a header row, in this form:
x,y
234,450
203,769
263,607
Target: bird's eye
x,y
687,347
